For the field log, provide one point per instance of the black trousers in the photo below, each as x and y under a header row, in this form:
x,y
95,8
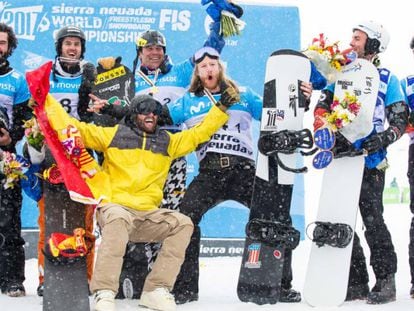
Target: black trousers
x,y
383,258
12,259
410,175
208,189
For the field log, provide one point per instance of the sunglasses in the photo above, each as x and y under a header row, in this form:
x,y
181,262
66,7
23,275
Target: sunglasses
x,y
203,52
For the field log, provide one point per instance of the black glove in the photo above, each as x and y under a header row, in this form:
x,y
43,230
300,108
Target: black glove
x,y
381,140
89,72
342,145
237,10
229,95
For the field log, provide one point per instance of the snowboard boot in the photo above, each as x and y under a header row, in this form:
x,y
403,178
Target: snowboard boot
x,y
158,299
383,291
104,300
412,291
357,292
289,295
40,289
14,289
182,298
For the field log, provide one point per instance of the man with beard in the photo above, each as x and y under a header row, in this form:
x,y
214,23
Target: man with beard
x,y
227,166
14,97
129,210
390,120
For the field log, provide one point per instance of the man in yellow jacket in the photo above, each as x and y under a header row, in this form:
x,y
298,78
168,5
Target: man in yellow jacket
x,y
137,156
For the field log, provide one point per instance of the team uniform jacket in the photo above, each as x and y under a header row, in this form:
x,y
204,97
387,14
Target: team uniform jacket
x,y
136,163
235,137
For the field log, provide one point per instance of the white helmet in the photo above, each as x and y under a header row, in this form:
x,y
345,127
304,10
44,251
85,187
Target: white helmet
x,y
378,37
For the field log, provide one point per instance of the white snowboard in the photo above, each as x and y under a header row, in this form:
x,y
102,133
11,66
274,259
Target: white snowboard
x,y
328,267
284,70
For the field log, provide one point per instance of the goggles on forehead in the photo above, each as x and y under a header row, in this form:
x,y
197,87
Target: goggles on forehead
x,y
203,52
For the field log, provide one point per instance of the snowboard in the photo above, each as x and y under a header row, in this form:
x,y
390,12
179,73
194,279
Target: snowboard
x,y
329,262
117,85
65,284
269,234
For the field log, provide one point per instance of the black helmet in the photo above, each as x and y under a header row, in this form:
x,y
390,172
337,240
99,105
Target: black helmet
x,y
69,31
150,37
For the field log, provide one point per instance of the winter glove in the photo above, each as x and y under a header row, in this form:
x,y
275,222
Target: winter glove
x,y
88,72
214,9
109,62
31,185
229,95
88,81
342,145
381,140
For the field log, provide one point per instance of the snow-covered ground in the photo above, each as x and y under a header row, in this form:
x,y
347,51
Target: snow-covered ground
x,y
219,280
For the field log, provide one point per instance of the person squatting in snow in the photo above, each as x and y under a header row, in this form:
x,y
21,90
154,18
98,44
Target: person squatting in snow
x,y
130,210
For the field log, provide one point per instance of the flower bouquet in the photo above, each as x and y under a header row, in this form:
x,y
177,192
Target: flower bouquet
x,y
33,134
328,58
11,167
228,14
230,24
342,112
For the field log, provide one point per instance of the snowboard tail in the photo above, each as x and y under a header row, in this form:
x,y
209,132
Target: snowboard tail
x,y
262,266
64,284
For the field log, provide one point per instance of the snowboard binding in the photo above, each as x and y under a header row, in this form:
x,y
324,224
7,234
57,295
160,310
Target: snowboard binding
x,y
332,234
67,249
273,233
286,142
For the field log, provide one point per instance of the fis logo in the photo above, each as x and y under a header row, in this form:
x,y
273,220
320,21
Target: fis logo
x,y
26,21
179,20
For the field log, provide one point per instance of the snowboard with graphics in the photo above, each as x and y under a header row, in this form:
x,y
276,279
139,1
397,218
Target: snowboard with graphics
x,y
65,283
332,232
270,237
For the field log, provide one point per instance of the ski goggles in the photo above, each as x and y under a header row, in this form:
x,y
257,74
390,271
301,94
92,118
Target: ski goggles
x,y
203,52
146,106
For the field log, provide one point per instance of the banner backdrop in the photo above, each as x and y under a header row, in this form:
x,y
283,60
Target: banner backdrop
x,y
111,28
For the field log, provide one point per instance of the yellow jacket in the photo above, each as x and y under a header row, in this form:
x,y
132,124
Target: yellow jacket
x,y
136,163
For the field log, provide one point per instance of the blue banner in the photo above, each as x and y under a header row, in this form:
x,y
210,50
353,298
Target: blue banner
x,y
111,28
